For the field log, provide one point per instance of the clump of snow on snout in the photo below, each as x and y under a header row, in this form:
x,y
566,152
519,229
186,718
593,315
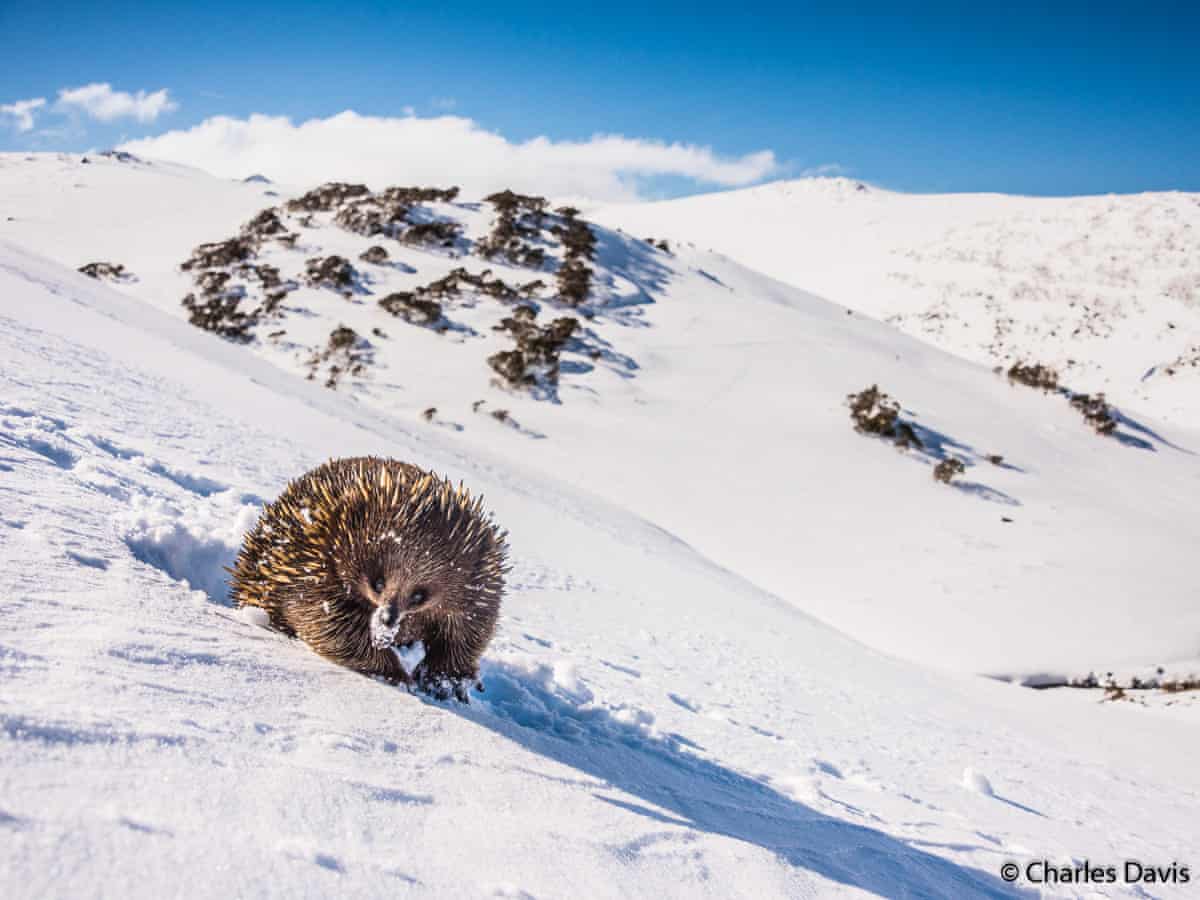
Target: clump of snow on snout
x,y
385,622
977,783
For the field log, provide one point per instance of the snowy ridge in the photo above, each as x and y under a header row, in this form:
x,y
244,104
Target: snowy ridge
x,y
1105,289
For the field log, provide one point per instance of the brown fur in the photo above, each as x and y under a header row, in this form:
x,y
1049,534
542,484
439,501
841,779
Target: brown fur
x,y
318,554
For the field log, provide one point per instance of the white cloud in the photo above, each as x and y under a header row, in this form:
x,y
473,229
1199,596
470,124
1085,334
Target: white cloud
x,y
100,101
825,170
22,112
441,150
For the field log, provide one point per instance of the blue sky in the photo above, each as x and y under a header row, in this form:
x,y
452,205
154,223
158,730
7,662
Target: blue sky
x,y
1087,99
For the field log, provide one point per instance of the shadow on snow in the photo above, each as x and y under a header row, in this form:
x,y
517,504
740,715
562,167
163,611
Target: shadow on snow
x,y
682,789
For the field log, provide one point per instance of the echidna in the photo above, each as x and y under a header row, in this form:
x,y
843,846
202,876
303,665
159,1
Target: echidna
x,y
361,557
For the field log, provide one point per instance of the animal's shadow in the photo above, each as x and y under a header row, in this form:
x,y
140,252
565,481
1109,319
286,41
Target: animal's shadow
x,y
683,789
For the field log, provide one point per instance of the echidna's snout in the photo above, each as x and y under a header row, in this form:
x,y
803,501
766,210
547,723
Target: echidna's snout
x,y
390,613
385,622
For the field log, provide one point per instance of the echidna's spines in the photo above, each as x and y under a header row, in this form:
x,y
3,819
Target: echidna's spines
x,y
344,524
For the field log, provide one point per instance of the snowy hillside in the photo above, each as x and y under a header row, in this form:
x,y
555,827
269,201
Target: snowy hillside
x,y
1089,536
740,651
1104,289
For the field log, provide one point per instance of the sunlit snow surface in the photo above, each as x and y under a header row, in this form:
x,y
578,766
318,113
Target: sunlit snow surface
x,y
664,712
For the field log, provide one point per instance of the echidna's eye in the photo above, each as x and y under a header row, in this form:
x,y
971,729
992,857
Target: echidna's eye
x,y
378,585
417,597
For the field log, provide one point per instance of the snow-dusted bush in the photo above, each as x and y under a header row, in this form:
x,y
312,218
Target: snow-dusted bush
x,y
1034,375
947,469
874,412
1096,412
415,310
327,196
334,272
345,352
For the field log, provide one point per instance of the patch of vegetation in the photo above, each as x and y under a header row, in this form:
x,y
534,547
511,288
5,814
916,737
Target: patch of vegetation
x,y
221,315
411,196
947,469
438,233
1096,412
220,253
346,353
1034,375
1094,408
327,197
519,220
266,225
875,413
332,272
370,216
412,309
534,363
375,255
98,270
579,248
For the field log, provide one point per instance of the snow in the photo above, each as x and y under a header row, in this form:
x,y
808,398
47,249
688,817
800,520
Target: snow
x,y
1106,289
977,783
740,650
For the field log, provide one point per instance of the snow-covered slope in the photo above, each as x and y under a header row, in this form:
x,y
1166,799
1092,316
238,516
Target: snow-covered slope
x,y
710,400
653,725
1105,289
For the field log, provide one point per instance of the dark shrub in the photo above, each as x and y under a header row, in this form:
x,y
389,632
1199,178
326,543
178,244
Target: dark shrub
x,y
439,233
266,224
947,469
510,365
98,270
874,412
332,272
1096,412
327,196
1034,376
376,255
347,354
220,253
412,309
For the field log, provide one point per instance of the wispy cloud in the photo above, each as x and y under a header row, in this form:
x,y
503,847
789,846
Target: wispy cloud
x,y
99,101
443,149
21,112
825,170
